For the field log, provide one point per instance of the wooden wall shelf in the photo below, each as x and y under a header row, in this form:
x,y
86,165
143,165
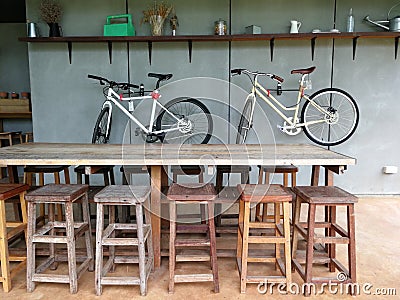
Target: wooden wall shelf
x,y
214,38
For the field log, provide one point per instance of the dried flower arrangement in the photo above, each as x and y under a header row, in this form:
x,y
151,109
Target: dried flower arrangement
x,y
50,11
156,15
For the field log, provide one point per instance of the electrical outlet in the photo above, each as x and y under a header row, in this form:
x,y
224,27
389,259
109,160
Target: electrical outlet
x,y
390,170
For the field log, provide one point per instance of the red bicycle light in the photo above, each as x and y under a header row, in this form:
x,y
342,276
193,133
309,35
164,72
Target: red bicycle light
x,y
120,97
155,95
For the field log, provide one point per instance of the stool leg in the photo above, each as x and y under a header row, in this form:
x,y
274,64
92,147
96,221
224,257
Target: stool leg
x,y
141,249
111,249
24,213
149,241
88,233
59,206
172,237
213,246
106,178
79,177
286,232
352,243
4,255
112,178
99,249
66,176
239,244
296,220
69,221
245,247
52,250
277,217
30,248
331,232
310,245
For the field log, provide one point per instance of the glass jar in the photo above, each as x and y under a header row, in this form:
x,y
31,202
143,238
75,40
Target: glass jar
x,y
220,27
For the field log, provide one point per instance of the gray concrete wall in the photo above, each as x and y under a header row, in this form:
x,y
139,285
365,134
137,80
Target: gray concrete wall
x,y
66,103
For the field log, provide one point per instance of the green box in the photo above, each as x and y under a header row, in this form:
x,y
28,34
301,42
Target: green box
x,y
119,29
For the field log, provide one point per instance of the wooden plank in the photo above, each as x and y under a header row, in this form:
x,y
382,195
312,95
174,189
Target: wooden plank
x,y
169,154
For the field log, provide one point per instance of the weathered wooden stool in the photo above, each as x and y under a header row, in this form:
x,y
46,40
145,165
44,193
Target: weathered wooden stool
x,y
67,195
328,197
192,193
115,195
261,233
128,171
264,178
28,137
29,171
8,191
8,136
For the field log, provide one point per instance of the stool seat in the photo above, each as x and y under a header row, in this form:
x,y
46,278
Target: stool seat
x,y
233,169
279,169
324,194
57,193
263,193
44,169
191,192
187,170
124,194
9,190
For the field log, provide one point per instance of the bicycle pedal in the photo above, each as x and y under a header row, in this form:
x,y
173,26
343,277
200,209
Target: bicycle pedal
x,y
281,128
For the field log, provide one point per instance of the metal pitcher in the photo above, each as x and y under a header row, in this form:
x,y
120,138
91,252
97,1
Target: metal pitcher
x,y
32,30
394,23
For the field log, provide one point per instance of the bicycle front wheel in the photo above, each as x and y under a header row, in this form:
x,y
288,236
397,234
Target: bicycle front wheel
x,y
101,132
246,120
195,123
331,117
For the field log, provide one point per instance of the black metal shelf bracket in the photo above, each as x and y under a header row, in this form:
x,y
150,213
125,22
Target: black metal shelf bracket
x,y
150,49
396,46
355,40
69,44
313,48
110,51
271,48
190,49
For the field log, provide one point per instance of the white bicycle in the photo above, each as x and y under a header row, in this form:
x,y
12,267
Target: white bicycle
x,y
329,116
183,120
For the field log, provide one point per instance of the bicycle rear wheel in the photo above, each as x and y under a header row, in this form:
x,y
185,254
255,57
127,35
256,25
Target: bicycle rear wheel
x,y
338,125
196,126
246,120
101,132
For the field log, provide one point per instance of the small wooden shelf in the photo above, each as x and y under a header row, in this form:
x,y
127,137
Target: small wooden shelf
x,y
272,37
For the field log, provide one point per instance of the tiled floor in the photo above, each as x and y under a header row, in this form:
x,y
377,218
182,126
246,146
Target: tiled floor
x,y
378,245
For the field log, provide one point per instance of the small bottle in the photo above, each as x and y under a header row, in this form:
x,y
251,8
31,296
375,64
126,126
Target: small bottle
x,y
350,21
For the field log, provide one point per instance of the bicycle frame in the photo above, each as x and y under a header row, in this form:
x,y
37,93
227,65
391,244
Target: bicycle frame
x,y
278,107
112,97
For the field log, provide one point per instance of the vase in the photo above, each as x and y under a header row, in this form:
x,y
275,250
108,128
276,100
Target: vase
x,y
54,30
157,23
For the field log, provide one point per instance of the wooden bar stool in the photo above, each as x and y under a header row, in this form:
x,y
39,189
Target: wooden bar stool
x,y
66,195
192,193
128,171
261,233
116,195
328,197
9,136
29,171
8,191
106,171
264,178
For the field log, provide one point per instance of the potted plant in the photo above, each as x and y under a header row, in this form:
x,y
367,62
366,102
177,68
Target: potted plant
x,y
50,12
156,15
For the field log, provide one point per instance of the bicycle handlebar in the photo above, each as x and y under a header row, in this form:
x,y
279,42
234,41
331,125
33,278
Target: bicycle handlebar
x,y
123,85
235,72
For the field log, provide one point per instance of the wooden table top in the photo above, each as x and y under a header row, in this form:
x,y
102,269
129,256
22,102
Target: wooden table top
x,y
170,154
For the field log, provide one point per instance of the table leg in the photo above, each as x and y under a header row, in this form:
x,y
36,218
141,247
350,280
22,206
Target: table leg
x,y
156,213
13,174
315,175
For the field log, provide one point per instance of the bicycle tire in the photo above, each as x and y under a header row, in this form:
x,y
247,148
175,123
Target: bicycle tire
x,y
189,109
246,119
100,133
342,123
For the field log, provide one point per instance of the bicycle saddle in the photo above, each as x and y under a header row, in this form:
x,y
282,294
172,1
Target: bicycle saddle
x,y
160,76
303,71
